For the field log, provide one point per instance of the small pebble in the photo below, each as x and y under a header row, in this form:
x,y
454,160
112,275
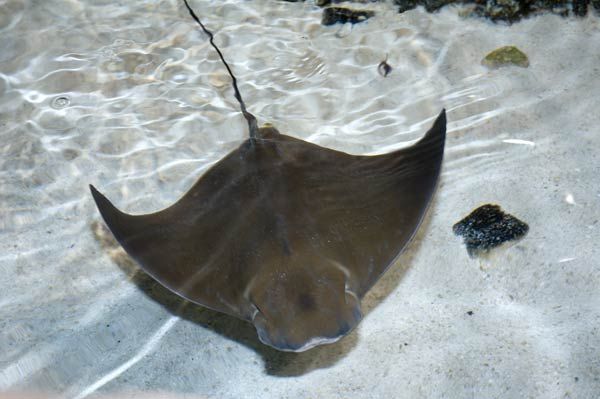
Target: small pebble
x,y
505,56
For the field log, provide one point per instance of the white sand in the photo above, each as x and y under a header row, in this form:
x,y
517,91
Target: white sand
x,y
150,109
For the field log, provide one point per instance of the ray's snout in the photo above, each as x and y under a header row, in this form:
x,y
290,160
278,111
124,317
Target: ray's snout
x,y
295,312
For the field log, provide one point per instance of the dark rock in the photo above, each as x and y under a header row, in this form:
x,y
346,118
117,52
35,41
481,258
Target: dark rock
x,y
334,15
405,5
323,3
559,7
514,10
502,10
580,7
496,10
488,227
434,5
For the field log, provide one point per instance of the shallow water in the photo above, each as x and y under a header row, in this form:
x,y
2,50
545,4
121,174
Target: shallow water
x,y
133,99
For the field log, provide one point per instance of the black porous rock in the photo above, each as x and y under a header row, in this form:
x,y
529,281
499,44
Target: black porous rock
x,y
502,10
580,7
507,11
334,15
434,5
559,7
406,5
323,3
430,5
488,227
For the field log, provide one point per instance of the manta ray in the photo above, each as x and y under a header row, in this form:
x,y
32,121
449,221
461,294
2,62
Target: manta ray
x,y
284,233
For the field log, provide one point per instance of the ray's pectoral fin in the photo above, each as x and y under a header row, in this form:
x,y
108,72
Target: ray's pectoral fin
x,y
423,160
159,243
117,221
132,232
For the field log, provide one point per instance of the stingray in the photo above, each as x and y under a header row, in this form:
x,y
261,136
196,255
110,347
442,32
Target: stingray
x,y
284,233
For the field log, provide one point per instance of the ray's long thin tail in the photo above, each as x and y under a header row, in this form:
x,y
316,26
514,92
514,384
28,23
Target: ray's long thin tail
x,y
252,124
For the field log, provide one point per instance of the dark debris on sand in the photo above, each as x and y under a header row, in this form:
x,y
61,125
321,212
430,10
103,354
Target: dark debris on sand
x,y
334,15
342,15
488,227
384,68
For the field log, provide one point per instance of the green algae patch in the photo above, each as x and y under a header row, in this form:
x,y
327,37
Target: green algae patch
x,y
505,56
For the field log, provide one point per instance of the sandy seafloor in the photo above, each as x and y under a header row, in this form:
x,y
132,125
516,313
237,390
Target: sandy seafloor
x,y
149,108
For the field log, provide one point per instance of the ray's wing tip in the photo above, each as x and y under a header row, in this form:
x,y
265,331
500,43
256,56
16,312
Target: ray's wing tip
x,y
99,198
442,115
437,132
442,118
439,126
93,190
108,211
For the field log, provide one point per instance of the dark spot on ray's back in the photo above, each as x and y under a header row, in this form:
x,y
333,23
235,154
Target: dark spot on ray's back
x,y
284,233
488,227
306,302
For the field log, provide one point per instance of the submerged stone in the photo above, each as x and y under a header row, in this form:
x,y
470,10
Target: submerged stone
x,y
507,11
435,5
506,56
334,15
503,10
580,7
488,227
430,5
323,3
405,5
559,7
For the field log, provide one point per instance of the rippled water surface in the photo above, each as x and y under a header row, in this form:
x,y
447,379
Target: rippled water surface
x,y
129,96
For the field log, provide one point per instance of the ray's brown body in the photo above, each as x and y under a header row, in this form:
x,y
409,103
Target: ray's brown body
x,y
286,234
